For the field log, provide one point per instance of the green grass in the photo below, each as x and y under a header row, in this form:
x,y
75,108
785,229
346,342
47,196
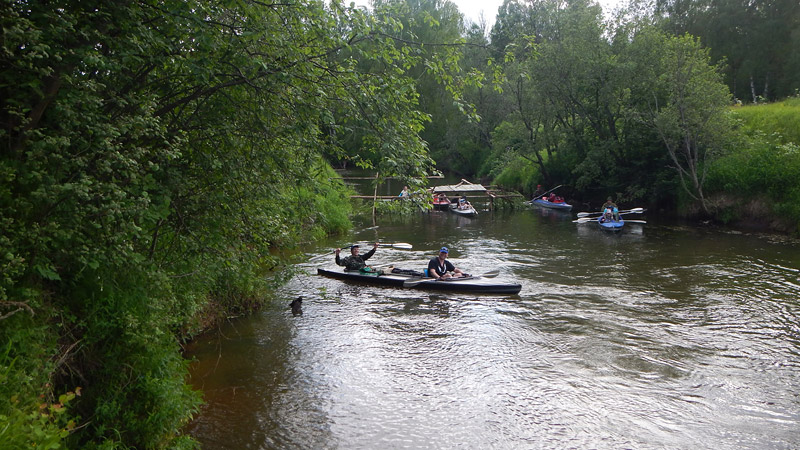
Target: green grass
x,y
780,118
763,164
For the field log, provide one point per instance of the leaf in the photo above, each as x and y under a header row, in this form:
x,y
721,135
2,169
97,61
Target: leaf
x,y
47,272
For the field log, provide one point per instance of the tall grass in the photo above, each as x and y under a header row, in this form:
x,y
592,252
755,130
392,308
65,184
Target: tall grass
x,y
781,119
763,164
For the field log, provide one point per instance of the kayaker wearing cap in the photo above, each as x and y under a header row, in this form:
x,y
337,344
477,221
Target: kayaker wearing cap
x,y
439,267
354,261
538,192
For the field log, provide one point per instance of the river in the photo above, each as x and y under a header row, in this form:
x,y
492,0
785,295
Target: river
x,y
662,336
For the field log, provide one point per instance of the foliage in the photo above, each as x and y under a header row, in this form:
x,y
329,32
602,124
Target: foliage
x,y
44,425
156,153
523,174
422,35
569,105
757,40
28,413
763,166
685,103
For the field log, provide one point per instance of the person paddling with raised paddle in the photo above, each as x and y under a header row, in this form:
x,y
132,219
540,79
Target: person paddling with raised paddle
x,y
354,261
439,268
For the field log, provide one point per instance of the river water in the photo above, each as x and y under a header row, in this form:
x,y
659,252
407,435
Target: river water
x,y
662,336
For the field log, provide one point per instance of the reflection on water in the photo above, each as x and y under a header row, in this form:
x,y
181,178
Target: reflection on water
x,y
656,337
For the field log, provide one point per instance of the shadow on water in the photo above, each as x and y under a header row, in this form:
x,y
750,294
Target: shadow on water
x,y
661,336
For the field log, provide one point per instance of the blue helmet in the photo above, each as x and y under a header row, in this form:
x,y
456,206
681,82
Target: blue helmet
x,y
444,250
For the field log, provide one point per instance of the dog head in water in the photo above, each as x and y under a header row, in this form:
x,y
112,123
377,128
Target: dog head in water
x,y
297,306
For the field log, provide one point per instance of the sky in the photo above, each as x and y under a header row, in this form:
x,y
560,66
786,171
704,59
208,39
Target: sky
x,y
472,8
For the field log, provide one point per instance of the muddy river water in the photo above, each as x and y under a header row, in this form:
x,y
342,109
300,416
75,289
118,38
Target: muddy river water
x,y
665,335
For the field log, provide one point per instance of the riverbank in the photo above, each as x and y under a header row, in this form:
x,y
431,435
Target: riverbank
x,y
754,214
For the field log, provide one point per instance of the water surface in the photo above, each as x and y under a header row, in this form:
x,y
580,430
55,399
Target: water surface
x,y
662,336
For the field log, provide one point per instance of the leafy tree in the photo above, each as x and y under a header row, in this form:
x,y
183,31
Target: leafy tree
x,y
685,104
566,87
755,39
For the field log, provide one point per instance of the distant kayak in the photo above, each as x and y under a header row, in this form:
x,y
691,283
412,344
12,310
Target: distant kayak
x,y
552,205
468,210
442,204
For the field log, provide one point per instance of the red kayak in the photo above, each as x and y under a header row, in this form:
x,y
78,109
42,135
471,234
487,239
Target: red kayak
x,y
441,203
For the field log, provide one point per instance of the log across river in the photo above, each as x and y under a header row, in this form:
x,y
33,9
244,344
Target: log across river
x,y
662,336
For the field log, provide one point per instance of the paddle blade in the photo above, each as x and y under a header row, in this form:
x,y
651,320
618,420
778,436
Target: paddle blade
x,y
589,214
490,274
400,245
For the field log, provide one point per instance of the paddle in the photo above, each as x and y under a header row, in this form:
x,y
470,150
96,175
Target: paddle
x,y
402,245
415,281
594,219
627,211
396,245
543,194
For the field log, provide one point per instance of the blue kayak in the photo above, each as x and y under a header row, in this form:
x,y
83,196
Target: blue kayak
x,y
611,225
552,205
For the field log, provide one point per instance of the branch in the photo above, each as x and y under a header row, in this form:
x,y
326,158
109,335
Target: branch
x,y
20,306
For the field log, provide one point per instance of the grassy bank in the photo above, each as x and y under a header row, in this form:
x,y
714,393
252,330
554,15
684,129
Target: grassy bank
x,y
757,181
780,119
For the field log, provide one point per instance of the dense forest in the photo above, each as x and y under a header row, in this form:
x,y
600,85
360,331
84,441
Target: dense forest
x,y
162,158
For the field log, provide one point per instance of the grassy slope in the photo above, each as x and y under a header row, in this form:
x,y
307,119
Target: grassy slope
x,y
758,180
782,118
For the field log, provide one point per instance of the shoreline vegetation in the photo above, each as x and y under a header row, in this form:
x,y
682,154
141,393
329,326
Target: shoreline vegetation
x,y
163,161
754,184
758,182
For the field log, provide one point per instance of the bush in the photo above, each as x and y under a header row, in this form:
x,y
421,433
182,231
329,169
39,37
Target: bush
x,y
522,176
30,416
763,169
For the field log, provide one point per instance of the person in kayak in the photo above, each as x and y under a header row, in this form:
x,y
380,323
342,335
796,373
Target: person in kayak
x,y
439,268
354,261
538,193
610,210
